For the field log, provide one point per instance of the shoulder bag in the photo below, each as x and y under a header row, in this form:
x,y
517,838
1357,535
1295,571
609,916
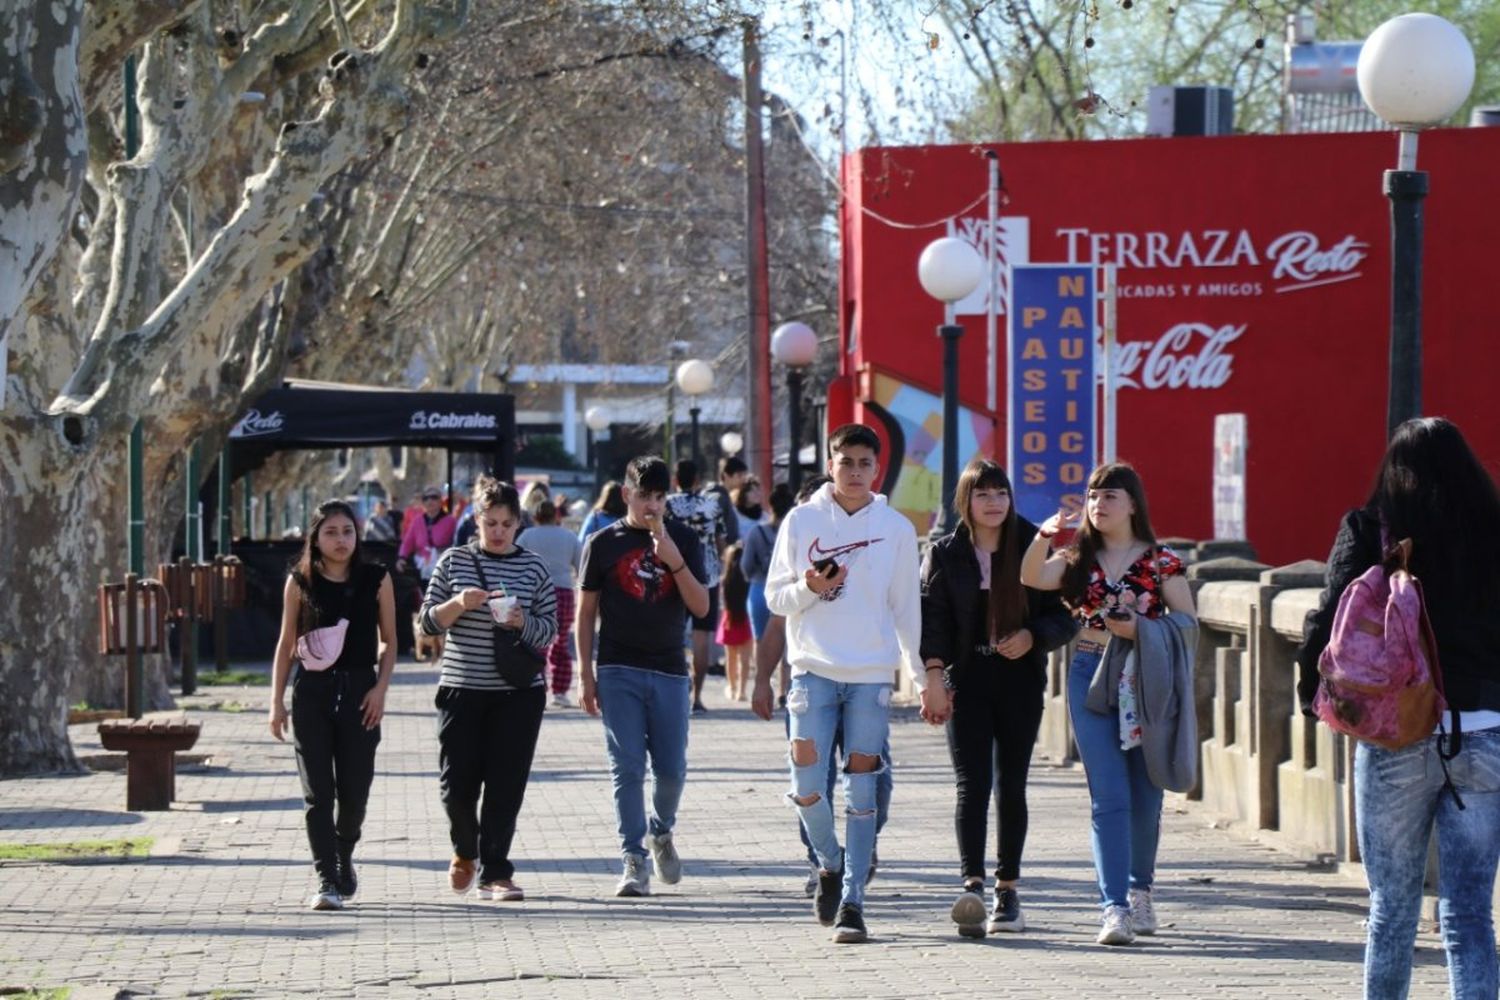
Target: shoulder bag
x,y
515,661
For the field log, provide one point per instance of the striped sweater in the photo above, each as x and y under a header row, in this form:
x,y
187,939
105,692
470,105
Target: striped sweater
x,y
469,653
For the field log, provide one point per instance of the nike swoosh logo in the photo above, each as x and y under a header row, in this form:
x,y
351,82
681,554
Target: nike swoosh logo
x,y
815,551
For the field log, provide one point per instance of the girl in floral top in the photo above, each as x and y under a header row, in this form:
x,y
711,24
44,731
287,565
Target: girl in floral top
x,y
1109,573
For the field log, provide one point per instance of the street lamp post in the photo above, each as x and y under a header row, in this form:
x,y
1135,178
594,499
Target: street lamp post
x,y
695,377
794,345
949,270
1414,72
596,418
731,442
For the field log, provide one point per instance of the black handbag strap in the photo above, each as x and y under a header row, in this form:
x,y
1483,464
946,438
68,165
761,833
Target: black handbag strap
x,y
484,581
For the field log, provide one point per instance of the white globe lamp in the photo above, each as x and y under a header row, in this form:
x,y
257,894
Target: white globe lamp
x,y
950,269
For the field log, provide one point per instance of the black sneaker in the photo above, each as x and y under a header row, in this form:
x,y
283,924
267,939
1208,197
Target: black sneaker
x,y
874,865
1007,915
826,898
346,880
850,928
968,910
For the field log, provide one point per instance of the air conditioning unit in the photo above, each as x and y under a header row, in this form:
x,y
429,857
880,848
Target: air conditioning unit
x,y
1189,111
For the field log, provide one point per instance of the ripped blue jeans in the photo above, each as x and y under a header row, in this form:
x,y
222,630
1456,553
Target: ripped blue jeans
x,y
816,707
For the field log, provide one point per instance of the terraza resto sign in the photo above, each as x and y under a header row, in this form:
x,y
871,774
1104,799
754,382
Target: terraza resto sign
x,y
1298,259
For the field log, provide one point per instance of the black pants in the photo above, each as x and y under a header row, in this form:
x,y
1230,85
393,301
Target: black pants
x,y
487,740
997,710
335,759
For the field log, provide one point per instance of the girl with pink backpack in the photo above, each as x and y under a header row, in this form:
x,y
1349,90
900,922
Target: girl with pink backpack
x,y
1433,492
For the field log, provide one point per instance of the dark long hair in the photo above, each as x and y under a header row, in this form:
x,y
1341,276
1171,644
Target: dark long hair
x,y
1007,610
1432,488
1084,548
734,587
311,559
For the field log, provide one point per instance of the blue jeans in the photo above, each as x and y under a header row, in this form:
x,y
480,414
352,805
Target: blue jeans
x,y
760,612
817,707
1399,796
1126,806
645,712
882,790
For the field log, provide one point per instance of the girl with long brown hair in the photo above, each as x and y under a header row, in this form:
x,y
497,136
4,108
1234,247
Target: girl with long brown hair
x,y
1111,573
990,635
338,621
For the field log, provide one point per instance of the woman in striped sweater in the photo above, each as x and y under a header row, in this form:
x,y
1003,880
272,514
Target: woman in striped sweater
x,y
487,728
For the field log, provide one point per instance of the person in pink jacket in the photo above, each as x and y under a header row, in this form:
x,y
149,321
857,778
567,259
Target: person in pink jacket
x,y
426,537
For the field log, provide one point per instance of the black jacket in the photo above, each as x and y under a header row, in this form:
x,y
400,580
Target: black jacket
x,y
950,605
1467,636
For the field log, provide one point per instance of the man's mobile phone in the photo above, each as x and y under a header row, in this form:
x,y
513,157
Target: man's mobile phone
x,y
1118,614
827,567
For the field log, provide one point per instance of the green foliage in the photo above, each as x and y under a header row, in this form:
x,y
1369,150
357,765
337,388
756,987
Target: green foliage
x,y
545,451
1049,69
245,678
78,850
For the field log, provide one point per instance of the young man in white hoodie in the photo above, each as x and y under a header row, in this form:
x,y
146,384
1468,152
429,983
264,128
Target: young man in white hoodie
x,y
844,573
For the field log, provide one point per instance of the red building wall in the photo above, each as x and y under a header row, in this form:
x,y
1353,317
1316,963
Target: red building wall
x,y
1254,274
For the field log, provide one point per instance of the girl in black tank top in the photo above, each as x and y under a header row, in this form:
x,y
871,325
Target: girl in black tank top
x,y
338,695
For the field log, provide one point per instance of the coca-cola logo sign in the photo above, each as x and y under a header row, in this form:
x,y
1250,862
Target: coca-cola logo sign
x,y
1188,356
256,424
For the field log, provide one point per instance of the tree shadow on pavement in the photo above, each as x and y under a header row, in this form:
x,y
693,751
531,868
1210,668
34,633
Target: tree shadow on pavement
x,y
252,805
34,818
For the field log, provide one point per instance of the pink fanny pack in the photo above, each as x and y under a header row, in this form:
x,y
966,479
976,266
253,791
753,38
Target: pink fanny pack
x,y
320,648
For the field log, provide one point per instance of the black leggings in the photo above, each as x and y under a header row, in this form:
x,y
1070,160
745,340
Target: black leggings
x,y
335,759
997,709
487,739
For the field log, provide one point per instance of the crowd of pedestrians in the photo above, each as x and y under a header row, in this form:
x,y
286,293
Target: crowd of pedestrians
x,y
834,589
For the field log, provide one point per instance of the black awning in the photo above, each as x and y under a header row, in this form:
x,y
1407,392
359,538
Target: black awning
x,y
302,415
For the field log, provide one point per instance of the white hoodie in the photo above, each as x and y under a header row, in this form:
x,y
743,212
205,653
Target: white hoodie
x,y
864,631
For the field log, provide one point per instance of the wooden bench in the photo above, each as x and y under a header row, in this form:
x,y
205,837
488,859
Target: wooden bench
x,y
150,747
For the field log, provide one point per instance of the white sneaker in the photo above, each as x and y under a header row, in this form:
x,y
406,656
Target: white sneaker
x,y
1142,913
635,880
1116,928
326,898
561,701
668,864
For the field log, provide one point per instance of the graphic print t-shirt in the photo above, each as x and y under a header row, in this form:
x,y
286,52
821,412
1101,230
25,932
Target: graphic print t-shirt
x,y
641,613
707,515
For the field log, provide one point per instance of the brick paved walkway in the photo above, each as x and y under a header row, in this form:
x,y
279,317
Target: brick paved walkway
x,y
219,905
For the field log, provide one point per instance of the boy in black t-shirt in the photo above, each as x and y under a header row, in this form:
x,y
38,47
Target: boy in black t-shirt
x,y
642,576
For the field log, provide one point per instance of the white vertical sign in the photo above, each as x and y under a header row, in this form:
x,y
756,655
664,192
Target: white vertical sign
x,y
1230,442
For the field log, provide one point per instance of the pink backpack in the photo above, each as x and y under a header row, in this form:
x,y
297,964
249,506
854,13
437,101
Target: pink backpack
x,y
1380,674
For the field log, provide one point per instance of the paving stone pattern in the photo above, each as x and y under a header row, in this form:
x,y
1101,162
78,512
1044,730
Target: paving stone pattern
x,y
220,904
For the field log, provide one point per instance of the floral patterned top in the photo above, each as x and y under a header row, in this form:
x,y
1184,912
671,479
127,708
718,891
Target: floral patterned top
x,y
1139,589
